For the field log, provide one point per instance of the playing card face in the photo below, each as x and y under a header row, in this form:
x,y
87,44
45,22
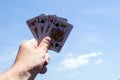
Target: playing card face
x,y
32,23
37,26
42,24
58,32
55,27
63,19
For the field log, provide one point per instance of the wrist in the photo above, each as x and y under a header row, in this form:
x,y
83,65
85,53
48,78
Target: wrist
x,y
25,71
17,73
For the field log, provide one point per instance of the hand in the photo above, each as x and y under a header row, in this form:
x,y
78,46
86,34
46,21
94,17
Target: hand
x,y
31,59
33,55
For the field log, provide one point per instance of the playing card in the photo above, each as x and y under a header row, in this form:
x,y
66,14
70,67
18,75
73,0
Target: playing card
x,y
32,23
53,26
58,32
63,19
42,24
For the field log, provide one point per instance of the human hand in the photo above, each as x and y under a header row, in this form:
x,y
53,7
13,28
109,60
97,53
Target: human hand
x,y
31,59
32,56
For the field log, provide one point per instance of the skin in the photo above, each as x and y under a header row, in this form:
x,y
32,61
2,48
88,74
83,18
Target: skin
x,y
31,60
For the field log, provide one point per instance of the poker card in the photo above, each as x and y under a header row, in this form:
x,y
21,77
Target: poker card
x,y
42,24
63,19
59,34
32,23
37,26
53,26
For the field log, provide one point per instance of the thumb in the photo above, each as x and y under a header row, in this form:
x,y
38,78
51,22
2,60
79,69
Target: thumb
x,y
45,43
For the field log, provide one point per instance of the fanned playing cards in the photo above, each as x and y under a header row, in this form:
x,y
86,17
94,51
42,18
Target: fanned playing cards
x,y
50,25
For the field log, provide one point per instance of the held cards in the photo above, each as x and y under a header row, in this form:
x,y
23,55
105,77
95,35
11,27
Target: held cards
x,y
57,28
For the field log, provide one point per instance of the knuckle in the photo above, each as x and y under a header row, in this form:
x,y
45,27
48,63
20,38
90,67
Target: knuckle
x,y
24,45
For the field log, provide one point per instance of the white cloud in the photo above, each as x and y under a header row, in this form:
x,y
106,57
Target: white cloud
x,y
99,61
76,62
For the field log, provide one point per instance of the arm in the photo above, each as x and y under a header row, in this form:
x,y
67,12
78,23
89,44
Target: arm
x,y
31,59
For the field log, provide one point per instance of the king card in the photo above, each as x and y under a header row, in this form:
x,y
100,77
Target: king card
x,y
59,32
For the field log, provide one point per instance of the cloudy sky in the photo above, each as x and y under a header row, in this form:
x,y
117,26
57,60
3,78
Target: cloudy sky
x,y
92,50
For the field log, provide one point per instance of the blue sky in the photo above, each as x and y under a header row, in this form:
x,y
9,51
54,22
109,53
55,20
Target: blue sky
x,y
92,50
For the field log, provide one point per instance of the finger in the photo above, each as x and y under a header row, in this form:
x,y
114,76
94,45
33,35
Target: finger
x,y
47,59
33,40
43,70
32,43
45,43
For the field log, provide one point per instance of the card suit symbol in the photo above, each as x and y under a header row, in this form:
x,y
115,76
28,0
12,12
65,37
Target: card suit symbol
x,y
56,45
33,23
57,24
51,20
42,21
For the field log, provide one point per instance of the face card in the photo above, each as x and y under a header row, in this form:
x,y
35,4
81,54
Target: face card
x,y
59,34
49,24
42,23
63,19
53,26
32,23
